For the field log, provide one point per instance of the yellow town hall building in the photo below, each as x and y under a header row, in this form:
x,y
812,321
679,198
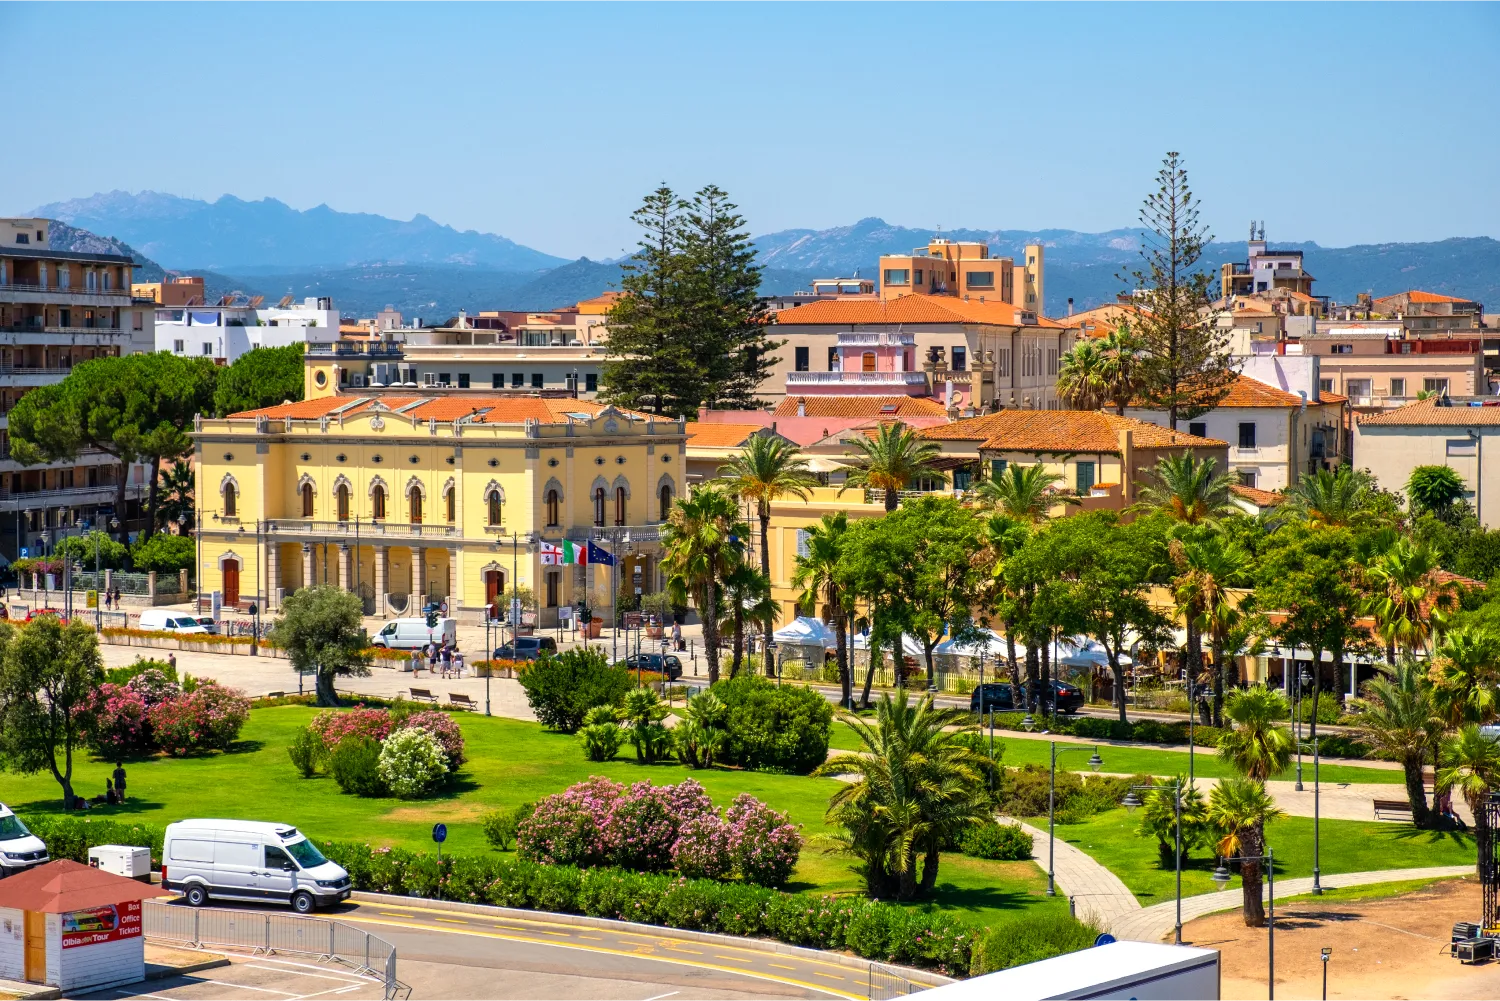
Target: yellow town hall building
x,y
406,499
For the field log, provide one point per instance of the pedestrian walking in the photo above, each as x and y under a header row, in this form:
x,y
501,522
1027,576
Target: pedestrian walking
x,y
432,657
447,660
119,777
458,663
416,663
172,662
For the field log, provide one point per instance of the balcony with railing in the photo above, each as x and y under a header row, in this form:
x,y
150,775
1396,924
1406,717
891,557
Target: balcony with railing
x,y
11,291
861,380
360,528
349,349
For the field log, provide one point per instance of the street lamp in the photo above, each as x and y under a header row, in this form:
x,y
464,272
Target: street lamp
x,y
1326,954
1132,801
1303,678
1317,887
1094,762
1221,876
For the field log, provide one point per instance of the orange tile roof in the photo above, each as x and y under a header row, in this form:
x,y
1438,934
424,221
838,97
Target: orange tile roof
x,y
496,409
1248,392
1062,431
1332,398
1260,498
706,435
860,406
1427,413
911,309
1417,295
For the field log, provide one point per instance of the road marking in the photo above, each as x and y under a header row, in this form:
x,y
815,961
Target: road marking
x,y
682,948
452,921
299,973
830,976
731,959
596,938
262,990
607,951
667,995
780,967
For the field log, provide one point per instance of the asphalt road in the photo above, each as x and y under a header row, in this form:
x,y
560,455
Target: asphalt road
x,y
451,954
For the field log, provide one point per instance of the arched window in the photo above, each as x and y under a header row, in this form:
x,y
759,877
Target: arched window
x,y
554,509
231,498
377,503
495,507
599,506
666,501
450,504
307,500
414,504
619,505
342,493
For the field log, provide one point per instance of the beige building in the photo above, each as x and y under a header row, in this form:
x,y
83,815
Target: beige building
x,y
1437,432
1379,366
958,268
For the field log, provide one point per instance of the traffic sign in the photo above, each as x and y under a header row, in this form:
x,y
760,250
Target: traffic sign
x,y
25,551
440,833
1105,938
443,607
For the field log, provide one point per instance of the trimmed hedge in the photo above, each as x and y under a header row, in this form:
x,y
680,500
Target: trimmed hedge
x,y
1029,938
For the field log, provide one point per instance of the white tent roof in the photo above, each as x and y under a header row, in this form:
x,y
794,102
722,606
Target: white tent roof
x,y
1077,651
909,645
806,631
992,643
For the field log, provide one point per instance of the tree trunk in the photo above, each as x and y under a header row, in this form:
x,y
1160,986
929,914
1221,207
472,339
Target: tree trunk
x,y
763,509
1045,687
931,670
909,875
898,655
738,640
124,531
1192,655
1033,672
930,867
1119,673
892,498
873,650
1253,842
326,694
1390,652
1416,796
152,496
711,624
1015,670
64,776
1221,670
841,655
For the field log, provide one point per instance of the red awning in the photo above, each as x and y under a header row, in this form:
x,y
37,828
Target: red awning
x,y
65,885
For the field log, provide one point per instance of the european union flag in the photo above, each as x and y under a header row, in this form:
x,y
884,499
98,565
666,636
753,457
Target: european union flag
x,y
599,556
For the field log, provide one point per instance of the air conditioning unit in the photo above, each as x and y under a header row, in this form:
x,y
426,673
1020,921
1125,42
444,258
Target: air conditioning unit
x,y
357,381
430,379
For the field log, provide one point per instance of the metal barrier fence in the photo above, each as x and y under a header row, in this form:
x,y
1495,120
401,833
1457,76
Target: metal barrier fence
x,y
884,983
270,933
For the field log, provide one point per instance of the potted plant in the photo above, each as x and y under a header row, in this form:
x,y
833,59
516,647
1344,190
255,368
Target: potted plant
x,y
657,607
590,626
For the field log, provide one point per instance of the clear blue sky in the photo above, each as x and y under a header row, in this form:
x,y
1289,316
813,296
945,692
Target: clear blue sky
x,y
1342,123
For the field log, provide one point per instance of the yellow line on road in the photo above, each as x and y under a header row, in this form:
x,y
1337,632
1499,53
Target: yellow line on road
x,y
830,976
452,921
731,959
601,949
780,967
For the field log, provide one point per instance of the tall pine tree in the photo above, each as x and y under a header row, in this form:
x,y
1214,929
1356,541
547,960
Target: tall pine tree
x,y
688,330
1186,365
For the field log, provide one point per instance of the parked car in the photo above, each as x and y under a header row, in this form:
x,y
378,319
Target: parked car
x,y
19,848
664,664
163,621
1068,698
413,634
526,648
35,612
209,625
997,696
249,860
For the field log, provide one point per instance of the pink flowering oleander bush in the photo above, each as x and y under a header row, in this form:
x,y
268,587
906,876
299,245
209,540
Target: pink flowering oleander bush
x,y
764,844
444,728
208,718
113,722
569,828
332,726
154,686
702,850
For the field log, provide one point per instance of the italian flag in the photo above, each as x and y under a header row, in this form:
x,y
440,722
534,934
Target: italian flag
x,y
574,552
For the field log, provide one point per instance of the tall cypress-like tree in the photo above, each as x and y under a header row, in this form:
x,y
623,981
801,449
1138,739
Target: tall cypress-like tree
x,y
688,331
1186,365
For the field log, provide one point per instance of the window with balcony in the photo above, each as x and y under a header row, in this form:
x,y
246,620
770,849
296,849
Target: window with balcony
x,y
802,364
414,505
591,382
342,496
463,380
897,276
1247,434
833,359
497,380
620,506
450,505
666,501
307,500
979,280
867,362
599,501
517,380
377,503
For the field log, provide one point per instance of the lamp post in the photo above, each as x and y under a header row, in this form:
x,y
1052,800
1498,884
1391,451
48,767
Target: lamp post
x,y
1221,876
1325,956
1317,887
1132,801
1302,679
1094,762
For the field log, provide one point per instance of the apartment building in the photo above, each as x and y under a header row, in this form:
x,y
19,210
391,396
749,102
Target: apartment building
x,y
238,323
1264,270
1441,431
959,268
965,351
59,308
1379,364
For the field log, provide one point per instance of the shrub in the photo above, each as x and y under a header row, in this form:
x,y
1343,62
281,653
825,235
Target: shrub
x,y
155,684
305,751
221,713
562,689
443,728
123,675
702,849
643,823
764,844
354,764
643,712
1019,940
165,553
1329,708
777,727
1001,842
500,826
412,763
601,735
568,828
114,722
1077,797
1340,746
334,726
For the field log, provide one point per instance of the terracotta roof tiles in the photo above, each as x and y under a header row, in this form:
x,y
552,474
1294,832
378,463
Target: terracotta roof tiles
x,y
860,406
1427,413
1260,498
914,308
1417,295
709,435
1062,431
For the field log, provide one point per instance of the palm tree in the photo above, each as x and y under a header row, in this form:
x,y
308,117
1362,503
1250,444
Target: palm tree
x,y
1466,672
1025,493
768,468
1002,537
1209,566
1120,366
1080,378
1400,718
1335,497
1471,764
890,460
747,595
1159,820
917,782
1240,809
176,493
1406,598
819,577
1191,490
701,542
1257,747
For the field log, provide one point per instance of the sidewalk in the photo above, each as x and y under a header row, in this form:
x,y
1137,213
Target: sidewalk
x,y
1098,893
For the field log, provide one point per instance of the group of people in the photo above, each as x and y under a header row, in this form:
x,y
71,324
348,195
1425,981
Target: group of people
x,y
114,791
111,598
444,660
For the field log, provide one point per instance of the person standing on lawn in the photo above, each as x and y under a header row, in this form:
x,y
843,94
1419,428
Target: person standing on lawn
x,y
119,777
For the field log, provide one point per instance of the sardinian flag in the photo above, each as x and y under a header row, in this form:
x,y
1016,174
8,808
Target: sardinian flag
x,y
552,556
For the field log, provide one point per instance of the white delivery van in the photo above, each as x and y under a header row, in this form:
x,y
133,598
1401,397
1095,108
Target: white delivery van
x,y
1140,971
165,621
19,848
249,860
413,634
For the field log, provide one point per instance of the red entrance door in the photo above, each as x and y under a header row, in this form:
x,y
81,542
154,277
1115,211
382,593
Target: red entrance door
x,y
231,583
494,583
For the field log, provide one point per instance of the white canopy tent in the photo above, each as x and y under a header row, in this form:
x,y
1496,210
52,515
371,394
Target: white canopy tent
x,y
806,631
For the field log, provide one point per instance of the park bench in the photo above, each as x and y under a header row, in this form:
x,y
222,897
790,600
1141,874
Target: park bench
x,y
1400,806
423,695
462,701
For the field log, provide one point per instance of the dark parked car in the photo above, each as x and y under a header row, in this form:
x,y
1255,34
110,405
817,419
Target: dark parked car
x,y
1069,698
526,648
667,665
997,696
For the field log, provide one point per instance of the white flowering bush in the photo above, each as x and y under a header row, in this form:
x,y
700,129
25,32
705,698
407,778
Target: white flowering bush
x,y
412,763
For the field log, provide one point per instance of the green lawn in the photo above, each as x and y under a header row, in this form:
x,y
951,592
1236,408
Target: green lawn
x,y
1347,846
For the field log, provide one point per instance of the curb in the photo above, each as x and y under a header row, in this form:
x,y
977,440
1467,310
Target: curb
x,y
924,977
178,971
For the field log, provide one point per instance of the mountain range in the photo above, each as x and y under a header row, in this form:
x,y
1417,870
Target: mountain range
x,y
426,269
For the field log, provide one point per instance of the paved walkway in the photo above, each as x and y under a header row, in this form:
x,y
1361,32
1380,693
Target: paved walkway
x,y
1098,893
1154,923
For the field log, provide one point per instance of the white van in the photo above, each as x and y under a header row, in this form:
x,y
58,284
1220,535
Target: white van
x,y
19,848
162,620
249,860
413,634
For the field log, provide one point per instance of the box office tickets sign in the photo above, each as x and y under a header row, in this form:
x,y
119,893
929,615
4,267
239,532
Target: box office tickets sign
x,y
96,925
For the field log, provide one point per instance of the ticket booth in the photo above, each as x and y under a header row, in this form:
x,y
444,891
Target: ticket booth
x,y
73,927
